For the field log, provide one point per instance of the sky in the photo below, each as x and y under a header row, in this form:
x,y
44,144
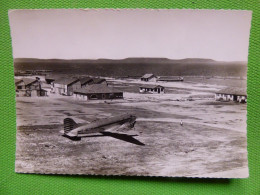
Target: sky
x,y
221,35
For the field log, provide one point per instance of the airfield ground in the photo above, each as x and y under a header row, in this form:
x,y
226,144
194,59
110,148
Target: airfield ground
x,y
211,142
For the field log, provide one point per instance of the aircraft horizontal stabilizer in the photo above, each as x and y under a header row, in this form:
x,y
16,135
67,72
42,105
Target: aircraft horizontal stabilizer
x,y
70,134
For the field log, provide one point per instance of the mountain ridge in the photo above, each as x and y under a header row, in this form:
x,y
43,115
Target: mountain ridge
x,y
130,59
135,66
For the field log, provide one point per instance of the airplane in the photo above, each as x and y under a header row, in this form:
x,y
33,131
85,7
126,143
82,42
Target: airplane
x,y
103,127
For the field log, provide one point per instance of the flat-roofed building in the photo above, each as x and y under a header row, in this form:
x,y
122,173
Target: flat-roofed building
x,y
151,89
232,94
170,78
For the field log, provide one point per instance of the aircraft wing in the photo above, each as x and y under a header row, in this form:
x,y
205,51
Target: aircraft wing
x,y
116,129
122,130
124,137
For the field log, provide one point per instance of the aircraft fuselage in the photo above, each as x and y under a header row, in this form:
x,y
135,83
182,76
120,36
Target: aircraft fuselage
x,y
103,125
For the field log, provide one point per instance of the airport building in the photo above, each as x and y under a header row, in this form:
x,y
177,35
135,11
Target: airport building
x,y
170,79
65,86
99,81
232,94
151,89
98,92
29,87
50,78
84,81
148,77
91,80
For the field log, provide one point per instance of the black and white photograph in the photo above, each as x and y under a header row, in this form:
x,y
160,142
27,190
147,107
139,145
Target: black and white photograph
x,y
133,92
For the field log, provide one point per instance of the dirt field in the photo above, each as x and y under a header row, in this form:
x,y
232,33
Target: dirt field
x,y
212,140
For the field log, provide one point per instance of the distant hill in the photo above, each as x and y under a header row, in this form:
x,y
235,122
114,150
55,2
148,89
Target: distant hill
x,y
135,66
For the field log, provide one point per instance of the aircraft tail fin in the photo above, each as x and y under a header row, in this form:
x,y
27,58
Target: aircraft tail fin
x,y
69,124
